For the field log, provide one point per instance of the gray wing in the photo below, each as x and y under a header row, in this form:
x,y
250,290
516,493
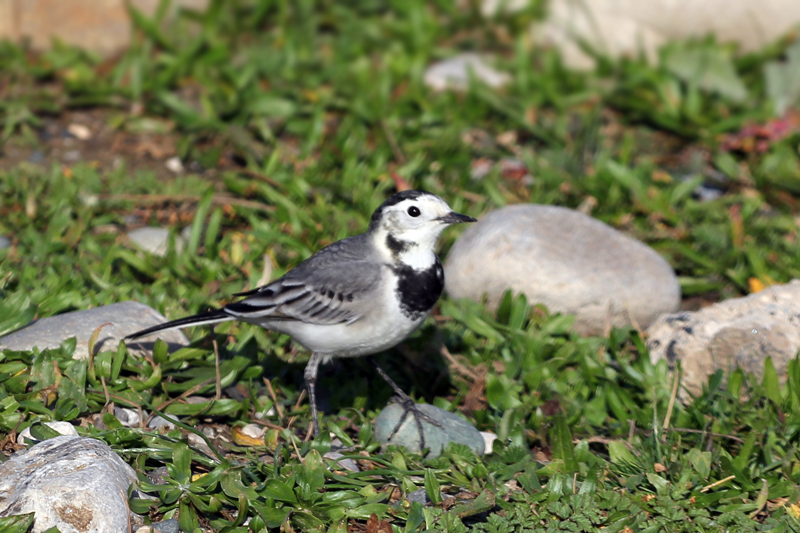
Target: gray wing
x,y
336,285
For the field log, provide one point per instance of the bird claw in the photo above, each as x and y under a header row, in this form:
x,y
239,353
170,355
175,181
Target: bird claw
x,y
410,406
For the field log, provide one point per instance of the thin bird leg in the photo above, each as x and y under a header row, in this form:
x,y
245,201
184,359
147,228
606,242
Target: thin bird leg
x,y
310,374
409,406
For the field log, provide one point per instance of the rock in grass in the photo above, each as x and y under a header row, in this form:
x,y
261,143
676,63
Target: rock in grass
x,y
65,428
72,483
455,72
565,260
154,240
5,242
740,332
124,318
456,429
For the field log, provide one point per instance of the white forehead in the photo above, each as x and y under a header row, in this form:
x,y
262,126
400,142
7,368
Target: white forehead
x,y
426,201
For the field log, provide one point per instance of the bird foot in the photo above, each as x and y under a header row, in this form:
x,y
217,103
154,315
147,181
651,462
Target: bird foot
x,y
410,406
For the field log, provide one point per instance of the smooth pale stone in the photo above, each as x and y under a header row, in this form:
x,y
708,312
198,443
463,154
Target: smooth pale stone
x,y
65,428
456,429
124,318
565,260
76,484
154,240
633,27
454,73
102,26
740,332
5,242
341,464
488,441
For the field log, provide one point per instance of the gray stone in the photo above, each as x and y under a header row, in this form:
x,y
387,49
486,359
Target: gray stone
x,y
421,496
127,417
740,332
167,526
565,260
5,242
158,476
455,72
154,240
76,484
124,318
159,421
631,27
456,429
339,463
65,428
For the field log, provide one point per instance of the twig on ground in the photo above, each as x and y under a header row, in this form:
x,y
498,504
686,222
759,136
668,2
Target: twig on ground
x,y
217,199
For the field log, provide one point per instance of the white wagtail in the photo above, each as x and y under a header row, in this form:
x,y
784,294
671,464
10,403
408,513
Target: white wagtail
x,y
356,297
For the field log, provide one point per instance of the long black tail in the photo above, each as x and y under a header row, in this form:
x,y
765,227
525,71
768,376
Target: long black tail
x,y
209,317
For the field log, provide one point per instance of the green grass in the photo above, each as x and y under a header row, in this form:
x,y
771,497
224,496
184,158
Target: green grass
x,y
322,104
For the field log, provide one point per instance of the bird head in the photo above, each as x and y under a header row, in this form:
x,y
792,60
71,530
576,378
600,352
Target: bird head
x,y
410,222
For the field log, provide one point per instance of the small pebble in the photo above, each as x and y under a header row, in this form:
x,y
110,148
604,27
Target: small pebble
x,y
254,431
5,242
488,441
79,131
167,526
158,422
339,463
154,240
36,157
127,417
455,73
72,155
65,428
175,165
158,476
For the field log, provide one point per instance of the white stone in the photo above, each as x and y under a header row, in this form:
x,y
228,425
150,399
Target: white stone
x,y
339,462
565,260
488,441
122,318
65,428
628,27
154,240
78,485
127,417
740,332
80,131
254,431
455,72
174,164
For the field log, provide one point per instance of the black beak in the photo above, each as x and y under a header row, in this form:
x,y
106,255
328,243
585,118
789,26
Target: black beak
x,y
456,218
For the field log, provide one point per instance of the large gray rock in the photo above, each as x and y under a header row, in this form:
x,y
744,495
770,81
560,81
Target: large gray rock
x,y
76,484
740,332
565,260
455,429
124,318
630,27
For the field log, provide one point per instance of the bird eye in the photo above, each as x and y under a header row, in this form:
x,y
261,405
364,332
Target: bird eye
x,y
413,211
